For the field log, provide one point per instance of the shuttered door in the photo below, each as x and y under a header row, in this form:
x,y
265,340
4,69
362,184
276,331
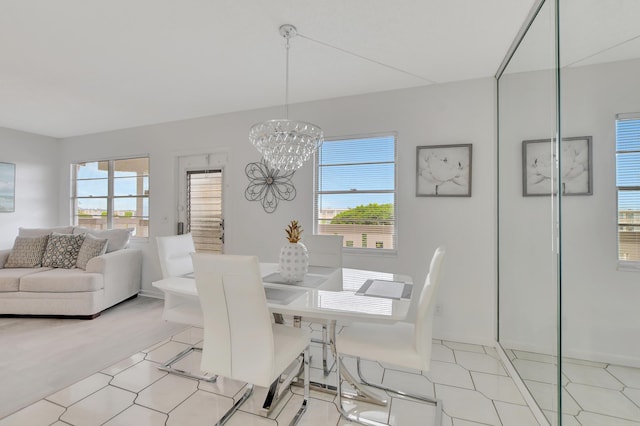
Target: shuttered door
x,y
204,210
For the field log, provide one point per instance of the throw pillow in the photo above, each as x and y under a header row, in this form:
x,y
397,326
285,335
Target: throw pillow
x,y
27,252
91,247
62,250
118,238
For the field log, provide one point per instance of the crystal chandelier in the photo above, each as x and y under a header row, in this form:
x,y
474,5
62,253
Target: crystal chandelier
x,y
286,144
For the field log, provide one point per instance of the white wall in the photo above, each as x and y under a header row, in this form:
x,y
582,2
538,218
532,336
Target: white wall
x,y
37,174
442,114
599,302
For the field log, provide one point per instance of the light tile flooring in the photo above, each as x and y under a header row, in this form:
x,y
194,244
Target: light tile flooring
x,y
469,379
593,393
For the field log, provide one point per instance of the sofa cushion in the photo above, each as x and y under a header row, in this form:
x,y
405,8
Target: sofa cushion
x,y
10,278
91,247
62,281
27,252
37,232
62,250
118,238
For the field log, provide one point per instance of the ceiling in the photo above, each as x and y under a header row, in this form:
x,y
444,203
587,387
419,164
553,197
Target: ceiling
x,y
74,67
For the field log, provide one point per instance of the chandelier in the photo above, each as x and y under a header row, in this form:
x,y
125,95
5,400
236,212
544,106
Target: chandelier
x,y
286,144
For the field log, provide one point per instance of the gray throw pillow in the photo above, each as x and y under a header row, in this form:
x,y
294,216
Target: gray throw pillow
x,y
27,252
62,250
91,247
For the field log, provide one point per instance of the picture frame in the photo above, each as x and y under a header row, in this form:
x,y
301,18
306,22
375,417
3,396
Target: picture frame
x,y
7,187
538,163
444,170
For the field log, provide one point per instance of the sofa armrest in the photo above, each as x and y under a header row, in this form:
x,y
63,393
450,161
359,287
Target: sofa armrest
x,y
4,255
121,271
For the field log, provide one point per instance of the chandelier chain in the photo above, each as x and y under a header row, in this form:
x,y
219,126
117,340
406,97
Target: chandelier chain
x,y
286,90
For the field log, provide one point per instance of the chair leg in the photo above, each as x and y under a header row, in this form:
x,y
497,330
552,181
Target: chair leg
x,y
235,407
434,401
344,413
168,366
305,400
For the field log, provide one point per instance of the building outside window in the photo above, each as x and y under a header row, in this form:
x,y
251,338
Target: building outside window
x,y
111,194
355,191
628,186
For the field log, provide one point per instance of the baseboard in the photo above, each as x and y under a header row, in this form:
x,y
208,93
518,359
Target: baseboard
x,y
474,340
606,358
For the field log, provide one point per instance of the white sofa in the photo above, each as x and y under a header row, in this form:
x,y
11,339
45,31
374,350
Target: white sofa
x,y
107,279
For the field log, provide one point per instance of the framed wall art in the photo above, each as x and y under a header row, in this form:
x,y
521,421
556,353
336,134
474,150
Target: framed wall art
x,y
7,187
538,162
443,170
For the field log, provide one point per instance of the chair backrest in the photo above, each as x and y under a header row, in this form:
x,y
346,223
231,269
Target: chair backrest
x,y
238,338
426,306
174,252
324,250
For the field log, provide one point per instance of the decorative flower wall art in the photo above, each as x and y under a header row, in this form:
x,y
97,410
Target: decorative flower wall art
x,y
268,185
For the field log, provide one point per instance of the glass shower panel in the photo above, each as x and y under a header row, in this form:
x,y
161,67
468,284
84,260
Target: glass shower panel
x,y
528,211
600,65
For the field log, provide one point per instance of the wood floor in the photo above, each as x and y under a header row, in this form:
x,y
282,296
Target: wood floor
x,y
39,356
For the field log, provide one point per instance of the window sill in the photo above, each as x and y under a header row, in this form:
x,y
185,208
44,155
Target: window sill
x,y
627,266
369,252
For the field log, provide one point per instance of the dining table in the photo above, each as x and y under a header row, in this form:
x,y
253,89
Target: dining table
x,y
328,295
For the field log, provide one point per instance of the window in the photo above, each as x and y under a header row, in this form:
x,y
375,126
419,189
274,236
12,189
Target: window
x,y
112,194
628,185
355,190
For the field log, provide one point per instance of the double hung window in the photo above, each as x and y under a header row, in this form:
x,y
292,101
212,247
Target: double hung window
x,y
112,194
355,191
628,186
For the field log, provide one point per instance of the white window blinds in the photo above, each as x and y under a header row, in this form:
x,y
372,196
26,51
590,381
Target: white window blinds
x,y
628,185
355,191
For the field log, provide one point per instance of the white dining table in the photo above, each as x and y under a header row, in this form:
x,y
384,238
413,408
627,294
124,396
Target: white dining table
x,y
327,294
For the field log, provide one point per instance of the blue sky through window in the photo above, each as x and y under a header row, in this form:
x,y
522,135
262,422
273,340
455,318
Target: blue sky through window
x,y
92,180
363,164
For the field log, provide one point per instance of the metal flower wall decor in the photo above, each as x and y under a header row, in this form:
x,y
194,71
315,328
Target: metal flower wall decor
x,y
268,185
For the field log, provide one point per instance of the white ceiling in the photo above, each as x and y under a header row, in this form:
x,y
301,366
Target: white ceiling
x,y
73,67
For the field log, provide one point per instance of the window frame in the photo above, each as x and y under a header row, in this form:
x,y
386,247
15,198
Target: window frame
x,y
624,264
110,197
316,193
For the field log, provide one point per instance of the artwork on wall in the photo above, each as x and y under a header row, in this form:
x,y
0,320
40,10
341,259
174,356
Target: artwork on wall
x,y
443,170
538,161
7,187
268,185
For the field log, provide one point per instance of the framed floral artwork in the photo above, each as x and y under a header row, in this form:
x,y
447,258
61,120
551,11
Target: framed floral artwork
x,y
443,170
539,161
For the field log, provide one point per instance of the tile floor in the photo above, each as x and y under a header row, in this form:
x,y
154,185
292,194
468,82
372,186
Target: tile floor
x,y
469,379
593,393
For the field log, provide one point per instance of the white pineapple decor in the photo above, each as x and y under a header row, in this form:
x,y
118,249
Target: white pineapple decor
x,y
294,259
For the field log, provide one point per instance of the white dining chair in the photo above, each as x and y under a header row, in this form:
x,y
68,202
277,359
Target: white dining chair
x,y
324,250
240,341
174,252
405,344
